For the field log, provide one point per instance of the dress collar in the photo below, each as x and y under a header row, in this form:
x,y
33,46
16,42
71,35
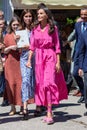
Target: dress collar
x,y
39,28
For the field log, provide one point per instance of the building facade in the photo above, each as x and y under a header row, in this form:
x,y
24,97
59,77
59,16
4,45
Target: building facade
x,y
60,9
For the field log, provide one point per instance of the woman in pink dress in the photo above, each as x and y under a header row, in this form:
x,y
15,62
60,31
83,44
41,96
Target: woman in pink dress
x,y
50,84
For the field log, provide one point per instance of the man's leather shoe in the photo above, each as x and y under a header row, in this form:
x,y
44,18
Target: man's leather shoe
x,y
76,92
79,94
85,114
81,100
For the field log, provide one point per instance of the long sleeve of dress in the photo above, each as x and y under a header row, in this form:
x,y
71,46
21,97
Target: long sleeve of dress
x,y
56,41
32,41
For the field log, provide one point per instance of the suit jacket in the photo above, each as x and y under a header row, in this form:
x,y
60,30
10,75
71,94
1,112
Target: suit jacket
x,y
78,30
78,33
83,51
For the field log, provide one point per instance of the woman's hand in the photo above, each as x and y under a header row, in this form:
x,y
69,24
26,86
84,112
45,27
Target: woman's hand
x,y
2,45
26,47
29,64
29,59
16,37
80,71
7,49
58,67
13,47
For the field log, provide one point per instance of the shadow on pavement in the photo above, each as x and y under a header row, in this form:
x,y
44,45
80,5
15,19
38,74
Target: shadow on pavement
x,y
3,114
64,116
59,116
65,105
13,119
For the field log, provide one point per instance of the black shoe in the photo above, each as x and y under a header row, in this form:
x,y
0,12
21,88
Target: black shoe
x,y
25,116
86,105
37,113
69,82
85,114
43,108
81,100
5,103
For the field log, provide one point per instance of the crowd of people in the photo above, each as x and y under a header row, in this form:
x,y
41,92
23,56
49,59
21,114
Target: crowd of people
x,y
34,71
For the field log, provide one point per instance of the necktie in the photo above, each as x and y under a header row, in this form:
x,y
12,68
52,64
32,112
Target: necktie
x,y
83,27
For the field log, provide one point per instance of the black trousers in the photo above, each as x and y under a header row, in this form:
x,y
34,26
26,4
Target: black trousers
x,y
2,82
78,79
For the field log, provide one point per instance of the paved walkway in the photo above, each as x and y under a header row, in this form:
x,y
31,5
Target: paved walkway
x,y
68,116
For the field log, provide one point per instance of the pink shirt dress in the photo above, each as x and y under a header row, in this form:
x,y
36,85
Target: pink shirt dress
x,y
47,80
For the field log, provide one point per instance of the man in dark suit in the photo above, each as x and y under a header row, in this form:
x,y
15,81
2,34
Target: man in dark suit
x,y
83,61
79,29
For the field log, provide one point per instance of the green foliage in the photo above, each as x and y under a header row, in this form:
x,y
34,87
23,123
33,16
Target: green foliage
x,y
71,21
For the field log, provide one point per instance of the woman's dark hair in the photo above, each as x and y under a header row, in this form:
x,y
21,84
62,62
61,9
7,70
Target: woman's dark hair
x,y
41,5
50,17
22,16
15,18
